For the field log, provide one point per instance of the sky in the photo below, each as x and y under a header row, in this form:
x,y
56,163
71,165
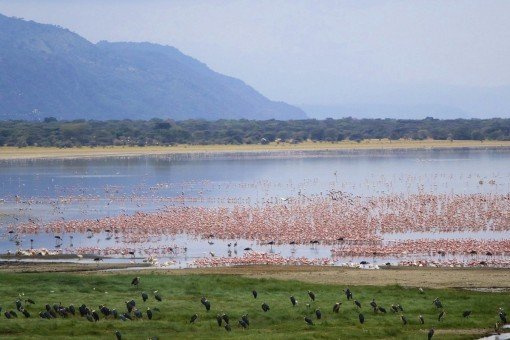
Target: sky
x,y
334,56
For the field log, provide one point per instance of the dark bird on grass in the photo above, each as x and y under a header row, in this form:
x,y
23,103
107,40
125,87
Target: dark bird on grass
x,y
118,335
265,307
138,313
136,281
311,295
219,320
48,307
404,319
336,307
357,303
8,315
126,316
309,321
361,318
95,315
25,313
13,313
83,310
400,308
90,318
207,305
374,305
348,294
245,319
502,316
42,315
441,315
18,305
149,313
293,300
115,313
157,296
71,309
243,324
105,310
255,294
227,327
194,318
225,318
466,313
437,303
52,313
394,308
129,306
422,320
430,333
145,296
381,309
318,313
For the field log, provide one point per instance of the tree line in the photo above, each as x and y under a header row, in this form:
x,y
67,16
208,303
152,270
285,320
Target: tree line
x,y
52,132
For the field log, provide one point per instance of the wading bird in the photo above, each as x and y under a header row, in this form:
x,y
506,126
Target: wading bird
x,y
357,303
441,316
311,295
135,282
336,307
404,319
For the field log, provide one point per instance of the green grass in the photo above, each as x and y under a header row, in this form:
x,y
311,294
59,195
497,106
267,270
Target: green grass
x,y
232,295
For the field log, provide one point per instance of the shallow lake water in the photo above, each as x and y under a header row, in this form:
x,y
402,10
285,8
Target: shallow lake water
x,y
47,190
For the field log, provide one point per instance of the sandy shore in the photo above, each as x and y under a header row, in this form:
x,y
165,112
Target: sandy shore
x,y
44,266
12,153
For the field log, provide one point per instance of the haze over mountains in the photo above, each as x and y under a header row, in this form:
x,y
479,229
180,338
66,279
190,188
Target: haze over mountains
x,y
47,70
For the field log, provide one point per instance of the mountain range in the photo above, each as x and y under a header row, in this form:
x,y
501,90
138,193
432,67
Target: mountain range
x,y
47,70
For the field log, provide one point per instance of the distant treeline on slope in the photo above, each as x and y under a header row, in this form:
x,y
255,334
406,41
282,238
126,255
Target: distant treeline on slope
x,y
52,132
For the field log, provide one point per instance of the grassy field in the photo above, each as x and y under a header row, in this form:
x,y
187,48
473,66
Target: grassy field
x,y
7,153
231,294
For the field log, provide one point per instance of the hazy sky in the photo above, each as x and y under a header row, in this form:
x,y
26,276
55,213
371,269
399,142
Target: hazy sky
x,y
313,52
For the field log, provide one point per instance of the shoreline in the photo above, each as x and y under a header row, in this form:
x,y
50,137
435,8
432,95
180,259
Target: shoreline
x,y
28,153
490,279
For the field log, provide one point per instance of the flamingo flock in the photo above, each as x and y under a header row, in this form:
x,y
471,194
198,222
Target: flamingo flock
x,y
259,258
353,226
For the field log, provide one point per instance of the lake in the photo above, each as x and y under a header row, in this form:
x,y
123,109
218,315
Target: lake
x,y
42,191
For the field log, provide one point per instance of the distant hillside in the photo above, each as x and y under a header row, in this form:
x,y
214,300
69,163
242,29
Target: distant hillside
x,y
46,71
